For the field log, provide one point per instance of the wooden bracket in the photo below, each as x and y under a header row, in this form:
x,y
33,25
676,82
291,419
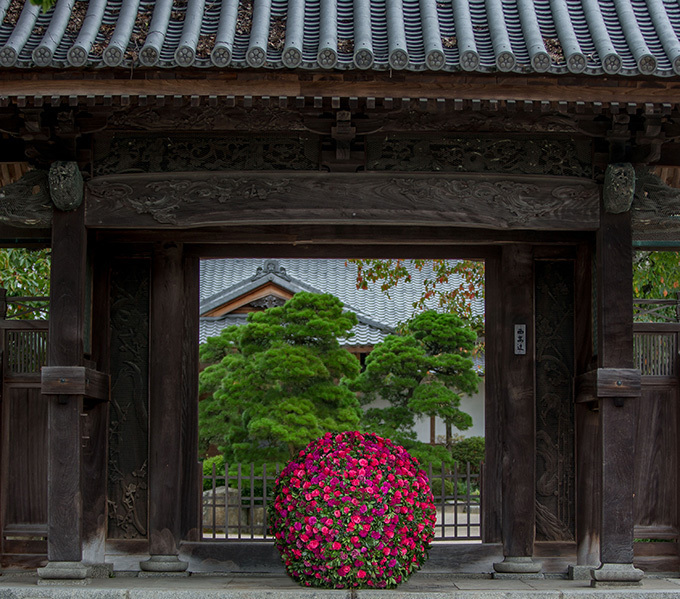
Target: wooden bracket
x,y
608,382
75,380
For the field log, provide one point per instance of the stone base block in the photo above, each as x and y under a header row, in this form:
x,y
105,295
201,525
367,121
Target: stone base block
x,y
163,575
517,567
100,570
163,564
580,572
616,575
69,571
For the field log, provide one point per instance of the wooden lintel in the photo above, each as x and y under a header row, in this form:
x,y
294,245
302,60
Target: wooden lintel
x,y
229,85
75,380
608,382
472,200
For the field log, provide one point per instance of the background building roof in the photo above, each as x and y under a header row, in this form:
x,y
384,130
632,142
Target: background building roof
x,y
224,280
628,37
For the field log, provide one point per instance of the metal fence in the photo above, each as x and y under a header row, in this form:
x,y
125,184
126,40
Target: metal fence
x,y
235,504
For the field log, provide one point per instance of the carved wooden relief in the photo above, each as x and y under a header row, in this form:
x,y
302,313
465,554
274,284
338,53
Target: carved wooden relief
x,y
555,472
148,154
128,429
207,118
196,199
496,155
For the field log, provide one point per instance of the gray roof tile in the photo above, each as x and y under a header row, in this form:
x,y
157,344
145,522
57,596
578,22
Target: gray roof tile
x,y
222,280
628,37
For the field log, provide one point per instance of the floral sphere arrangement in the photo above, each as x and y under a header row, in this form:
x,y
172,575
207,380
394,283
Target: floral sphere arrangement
x,y
353,510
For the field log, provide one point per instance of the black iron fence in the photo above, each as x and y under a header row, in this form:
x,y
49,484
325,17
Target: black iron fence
x,y
235,503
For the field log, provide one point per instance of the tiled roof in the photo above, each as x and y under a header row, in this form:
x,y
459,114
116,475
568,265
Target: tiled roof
x,y
628,37
223,280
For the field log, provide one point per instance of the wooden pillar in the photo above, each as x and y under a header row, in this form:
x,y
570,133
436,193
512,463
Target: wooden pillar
x,y
587,428
165,409
618,384
519,427
191,467
493,401
66,336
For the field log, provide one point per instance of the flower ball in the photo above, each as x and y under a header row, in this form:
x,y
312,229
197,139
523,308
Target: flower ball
x,y
353,510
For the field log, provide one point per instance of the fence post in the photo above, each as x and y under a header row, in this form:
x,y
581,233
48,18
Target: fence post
x,y
3,303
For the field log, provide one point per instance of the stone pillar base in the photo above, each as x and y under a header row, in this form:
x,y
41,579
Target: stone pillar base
x,y
63,573
580,572
616,575
517,567
164,564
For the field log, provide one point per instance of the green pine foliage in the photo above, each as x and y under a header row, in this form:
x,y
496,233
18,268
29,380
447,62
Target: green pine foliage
x,y
26,273
423,372
278,382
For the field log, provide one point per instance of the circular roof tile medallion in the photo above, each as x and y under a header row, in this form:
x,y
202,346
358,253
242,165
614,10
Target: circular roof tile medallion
x,y
112,56
399,59
292,58
184,56
611,64
435,60
541,62
220,56
327,58
505,61
469,60
647,64
77,56
148,56
676,65
576,63
256,57
363,59
42,56
8,56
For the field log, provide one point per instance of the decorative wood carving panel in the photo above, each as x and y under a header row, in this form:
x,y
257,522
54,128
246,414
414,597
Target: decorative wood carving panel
x,y
484,201
558,157
128,428
555,472
150,153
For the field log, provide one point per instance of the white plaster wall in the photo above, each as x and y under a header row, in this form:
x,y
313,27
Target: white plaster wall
x,y
473,405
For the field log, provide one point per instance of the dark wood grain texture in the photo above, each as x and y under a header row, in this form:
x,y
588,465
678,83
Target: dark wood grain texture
x,y
608,382
517,380
617,415
65,348
172,200
493,402
165,400
76,380
191,467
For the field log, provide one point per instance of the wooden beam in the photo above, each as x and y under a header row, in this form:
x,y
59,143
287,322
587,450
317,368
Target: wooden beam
x,y
346,241
75,380
488,201
224,85
608,382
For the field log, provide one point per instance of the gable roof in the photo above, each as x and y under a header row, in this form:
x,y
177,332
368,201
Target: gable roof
x,y
225,280
627,37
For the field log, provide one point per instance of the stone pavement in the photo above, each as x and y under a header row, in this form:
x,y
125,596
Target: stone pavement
x,y
267,586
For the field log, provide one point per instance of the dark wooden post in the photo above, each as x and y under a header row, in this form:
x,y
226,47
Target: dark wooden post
x,y
618,384
191,467
66,331
165,410
519,428
587,428
493,401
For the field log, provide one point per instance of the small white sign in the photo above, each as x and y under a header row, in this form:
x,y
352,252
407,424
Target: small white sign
x,y
520,339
